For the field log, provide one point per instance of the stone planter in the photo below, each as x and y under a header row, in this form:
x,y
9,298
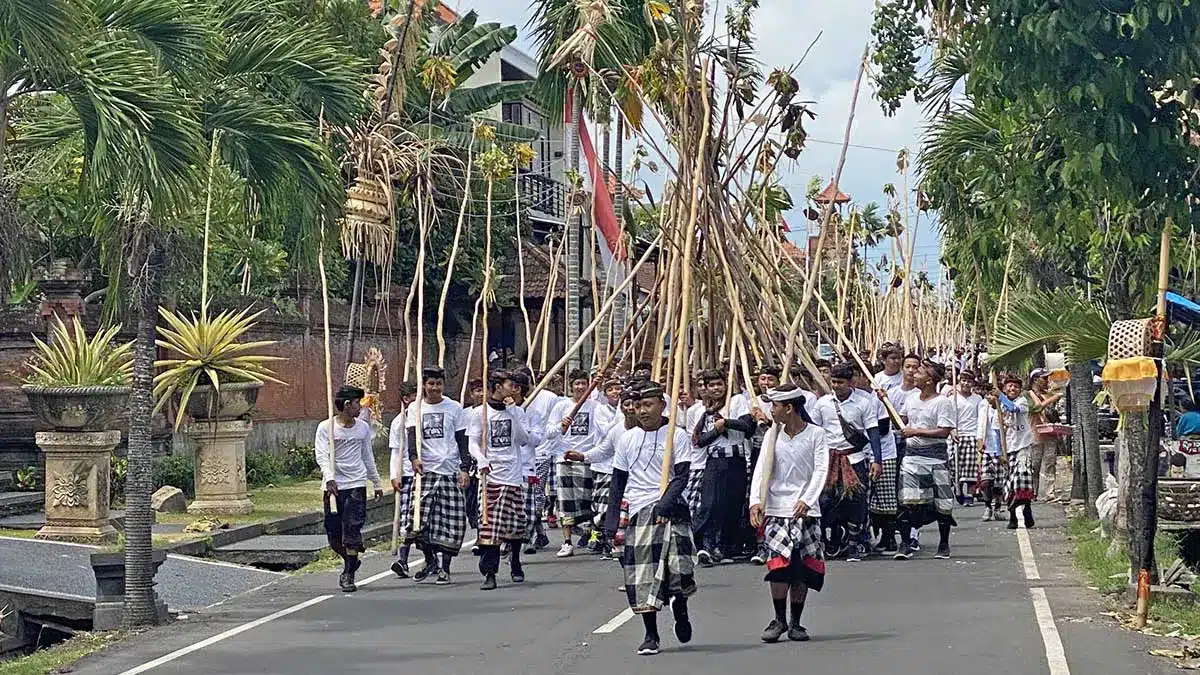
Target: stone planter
x,y
76,498
77,408
235,401
220,473
1179,500
109,570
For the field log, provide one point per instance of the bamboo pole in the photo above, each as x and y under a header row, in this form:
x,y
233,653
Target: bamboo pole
x,y
487,289
521,273
458,229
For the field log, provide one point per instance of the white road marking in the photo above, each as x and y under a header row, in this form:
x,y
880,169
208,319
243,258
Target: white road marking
x,y
222,563
1056,656
1027,559
616,622
224,636
420,564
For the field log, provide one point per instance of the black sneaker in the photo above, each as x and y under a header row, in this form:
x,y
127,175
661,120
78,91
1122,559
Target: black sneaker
x,y
759,557
518,576
773,631
915,545
683,624
905,552
489,583
719,556
890,547
1029,523
649,647
424,573
443,578
400,568
346,581
530,549
1012,523
704,558
542,541
854,553
943,552
797,633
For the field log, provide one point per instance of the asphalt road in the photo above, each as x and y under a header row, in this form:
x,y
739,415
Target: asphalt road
x,y
973,613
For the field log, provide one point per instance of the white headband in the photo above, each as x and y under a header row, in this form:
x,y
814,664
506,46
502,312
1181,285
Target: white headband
x,y
777,396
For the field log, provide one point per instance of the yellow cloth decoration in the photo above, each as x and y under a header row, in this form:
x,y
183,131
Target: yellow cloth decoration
x,y
1130,382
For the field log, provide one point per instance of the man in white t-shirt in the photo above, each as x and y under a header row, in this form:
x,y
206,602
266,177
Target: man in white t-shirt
x,y
966,438
882,501
577,423
440,456
538,409
926,485
657,557
347,464
401,475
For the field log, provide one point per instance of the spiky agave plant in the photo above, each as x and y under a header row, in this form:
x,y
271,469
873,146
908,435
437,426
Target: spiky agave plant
x,y
72,359
209,354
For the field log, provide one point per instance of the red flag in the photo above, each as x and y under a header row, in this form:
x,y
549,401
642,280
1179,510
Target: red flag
x,y
603,215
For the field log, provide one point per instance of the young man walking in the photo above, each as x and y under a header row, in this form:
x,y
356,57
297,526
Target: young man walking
x,y
580,430
657,557
785,496
442,464
600,460
1016,409
347,464
966,438
496,433
721,435
401,474
882,499
926,486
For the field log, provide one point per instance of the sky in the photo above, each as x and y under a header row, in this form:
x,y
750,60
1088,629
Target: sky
x,y
784,29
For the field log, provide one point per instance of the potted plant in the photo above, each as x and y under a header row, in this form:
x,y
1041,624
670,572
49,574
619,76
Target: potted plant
x,y
215,376
77,383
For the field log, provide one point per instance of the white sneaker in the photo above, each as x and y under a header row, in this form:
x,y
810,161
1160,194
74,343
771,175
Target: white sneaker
x,y
988,515
567,550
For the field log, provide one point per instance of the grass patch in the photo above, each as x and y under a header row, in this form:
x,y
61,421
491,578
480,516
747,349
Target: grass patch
x,y
327,560
19,534
63,655
270,503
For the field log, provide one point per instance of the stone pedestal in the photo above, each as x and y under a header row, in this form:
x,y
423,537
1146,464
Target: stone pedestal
x,y
77,470
221,468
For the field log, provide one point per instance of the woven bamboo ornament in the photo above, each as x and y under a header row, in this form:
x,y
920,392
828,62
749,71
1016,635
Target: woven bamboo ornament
x,y
370,375
1130,339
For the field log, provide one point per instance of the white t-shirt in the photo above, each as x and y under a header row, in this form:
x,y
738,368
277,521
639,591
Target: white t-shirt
x,y
354,462
888,382
505,438
538,412
400,464
934,413
1017,427
439,422
966,415
699,455
586,430
799,471
887,442
732,442
529,448
640,453
600,457
859,412
989,428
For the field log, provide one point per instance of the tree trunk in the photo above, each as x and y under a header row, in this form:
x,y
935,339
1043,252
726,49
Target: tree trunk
x,y
1121,521
1087,436
574,227
1140,438
139,570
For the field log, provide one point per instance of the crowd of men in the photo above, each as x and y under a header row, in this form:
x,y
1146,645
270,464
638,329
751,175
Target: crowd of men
x,y
773,474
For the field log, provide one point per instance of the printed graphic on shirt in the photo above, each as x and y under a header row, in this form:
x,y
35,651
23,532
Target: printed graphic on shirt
x,y
433,425
500,433
581,425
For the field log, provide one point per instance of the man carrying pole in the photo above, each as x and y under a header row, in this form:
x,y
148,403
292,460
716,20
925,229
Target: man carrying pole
x,y
575,424
721,434
926,485
401,474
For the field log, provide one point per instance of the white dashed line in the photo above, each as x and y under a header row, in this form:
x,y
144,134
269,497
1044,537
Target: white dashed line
x,y
1056,656
616,622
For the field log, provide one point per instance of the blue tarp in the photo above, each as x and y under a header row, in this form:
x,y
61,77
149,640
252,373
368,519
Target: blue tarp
x,y
1183,310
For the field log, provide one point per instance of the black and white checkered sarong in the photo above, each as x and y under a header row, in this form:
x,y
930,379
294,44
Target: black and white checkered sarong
x,y
505,509
658,562
991,471
601,495
966,459
443,513
405,495
795,550
574,493
693,494
925,484
883,497
1019,484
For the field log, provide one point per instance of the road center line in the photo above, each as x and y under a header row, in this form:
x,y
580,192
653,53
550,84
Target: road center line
x,y
616,622
1027,559
226,635
1056,656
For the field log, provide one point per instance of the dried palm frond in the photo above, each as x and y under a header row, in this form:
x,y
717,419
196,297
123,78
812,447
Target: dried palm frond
x,y
581,45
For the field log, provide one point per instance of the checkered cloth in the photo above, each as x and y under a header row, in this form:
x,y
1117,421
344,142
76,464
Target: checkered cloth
x,y
530,512
966,459
405,495
990,470
443,513
693,494
1019,484
574,493
506,521
544,492
883,498
924,484
601,495
795,550
658,562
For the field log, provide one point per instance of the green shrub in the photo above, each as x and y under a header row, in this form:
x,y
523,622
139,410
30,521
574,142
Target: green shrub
x,y
263,468
176,471
300,462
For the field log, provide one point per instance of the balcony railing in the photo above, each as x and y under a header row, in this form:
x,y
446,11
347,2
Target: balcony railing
x,y
544,195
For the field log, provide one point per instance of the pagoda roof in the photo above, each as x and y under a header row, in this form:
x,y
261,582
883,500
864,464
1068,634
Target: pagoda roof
x,y
830,193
